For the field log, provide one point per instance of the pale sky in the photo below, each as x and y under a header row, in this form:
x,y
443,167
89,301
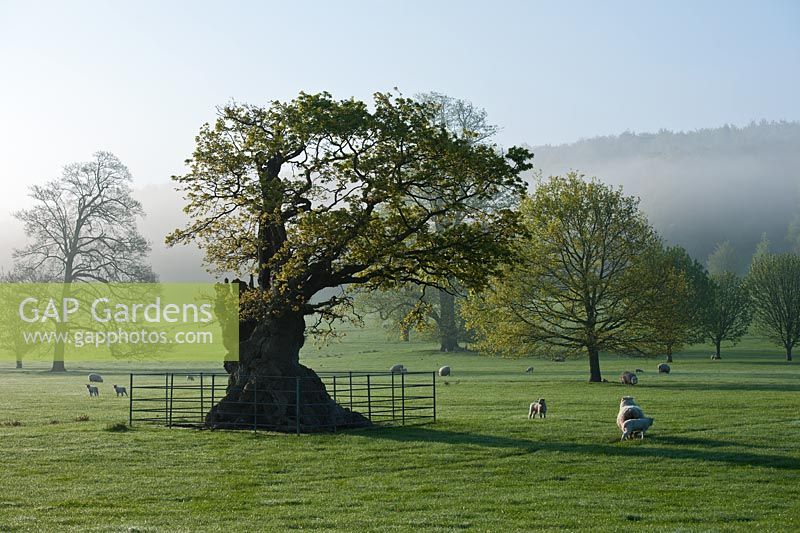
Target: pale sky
x,y
139,78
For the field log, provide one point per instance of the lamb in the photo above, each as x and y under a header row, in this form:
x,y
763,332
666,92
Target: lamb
x,y
663,368
529,370
538,408
635,425
93,391
628,378
95,378
628,410
121,391
444,371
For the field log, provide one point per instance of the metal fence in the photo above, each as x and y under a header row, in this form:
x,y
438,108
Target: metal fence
x,y
184,398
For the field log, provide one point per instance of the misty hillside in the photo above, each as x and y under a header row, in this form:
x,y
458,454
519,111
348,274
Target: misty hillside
x,y
700,187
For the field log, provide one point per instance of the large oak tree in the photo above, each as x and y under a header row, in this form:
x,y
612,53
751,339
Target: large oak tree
x,y
317,193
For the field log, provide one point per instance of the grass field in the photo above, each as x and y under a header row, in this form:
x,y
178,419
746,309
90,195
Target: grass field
x,y
723,454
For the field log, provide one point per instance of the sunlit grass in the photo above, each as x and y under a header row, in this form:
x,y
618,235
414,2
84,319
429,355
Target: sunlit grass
x,y
723,452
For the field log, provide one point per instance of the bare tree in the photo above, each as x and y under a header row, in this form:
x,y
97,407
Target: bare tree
x,y
82,228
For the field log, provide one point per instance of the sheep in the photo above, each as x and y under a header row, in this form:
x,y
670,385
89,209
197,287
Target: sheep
x,y
559,359
715,357
663,368
121,391
95,378
538,408
529,370
93,391
397,369
444,371
628,410
635,425
190,378
628,378
639,371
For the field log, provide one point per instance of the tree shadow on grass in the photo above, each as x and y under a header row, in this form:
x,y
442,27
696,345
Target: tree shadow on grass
x,y
651,449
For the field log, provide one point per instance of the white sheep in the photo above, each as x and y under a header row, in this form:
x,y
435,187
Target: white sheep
x,y
121,391
529,370
634,426
628,378
93,391
95,378
538,408
628,410
397,369
444,371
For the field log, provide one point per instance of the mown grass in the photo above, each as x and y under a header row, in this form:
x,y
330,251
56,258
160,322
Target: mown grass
x,y
724,452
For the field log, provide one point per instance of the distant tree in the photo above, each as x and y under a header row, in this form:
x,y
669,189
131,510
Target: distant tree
x,y
793,234
82,228
580,284
774,283
722,259
728,311
676,313
317,193
762,248
408,308
12,333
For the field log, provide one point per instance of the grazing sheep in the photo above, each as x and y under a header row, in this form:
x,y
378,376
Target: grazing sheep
x,y
444,371
529,370
95,378
635,426
628,410
639,371
93,391
121,391
628,378
715,357
396,369
663,368
190,378
538,408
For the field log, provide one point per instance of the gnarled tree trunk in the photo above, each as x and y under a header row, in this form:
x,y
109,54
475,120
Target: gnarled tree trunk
x,y
265,384
594,366
447,325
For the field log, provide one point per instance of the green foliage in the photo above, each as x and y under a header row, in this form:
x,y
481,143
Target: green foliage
x,y
728,311
675,313
722,259
774,286
317,193
580,283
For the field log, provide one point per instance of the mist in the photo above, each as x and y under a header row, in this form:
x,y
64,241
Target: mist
x,y
701,187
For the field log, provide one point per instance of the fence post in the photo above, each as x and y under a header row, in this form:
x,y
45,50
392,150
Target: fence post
x,y
255,405
433,375
202,398
297,404
394,406
351,389
334,387
213,385
369,399
166,399
130,402
403,397
171,392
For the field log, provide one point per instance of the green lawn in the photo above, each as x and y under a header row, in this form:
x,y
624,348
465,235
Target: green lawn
x,y
723,454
